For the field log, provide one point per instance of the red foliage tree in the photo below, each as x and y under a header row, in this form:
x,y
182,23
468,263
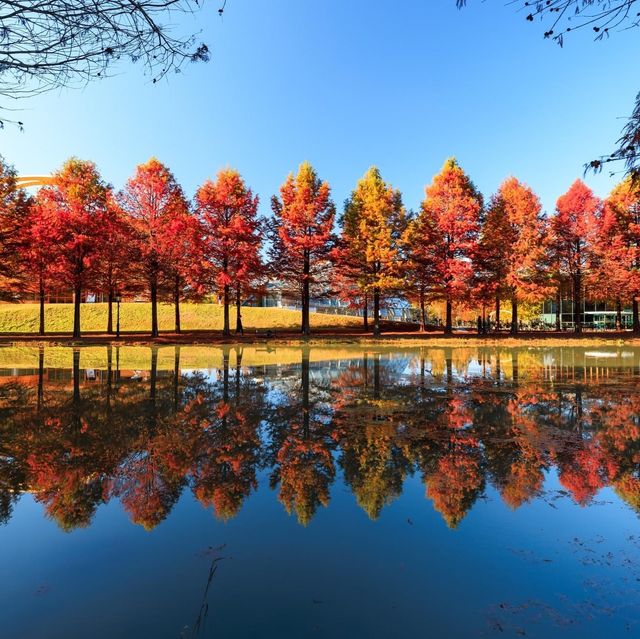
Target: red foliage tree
x,y
228,213
112,266
77,204
510,249
300,232
612,277
572,234
184,260
446,232
154,202
14,207
38,249
620,239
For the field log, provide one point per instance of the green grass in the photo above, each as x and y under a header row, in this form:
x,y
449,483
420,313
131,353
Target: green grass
x,y
136,317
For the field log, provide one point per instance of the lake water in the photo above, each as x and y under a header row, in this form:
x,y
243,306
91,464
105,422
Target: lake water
x,y
319,492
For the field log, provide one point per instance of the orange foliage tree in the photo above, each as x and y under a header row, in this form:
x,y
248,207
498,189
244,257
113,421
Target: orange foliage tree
x,y
445,234
373,222
511,249
572,234
619,240
301,232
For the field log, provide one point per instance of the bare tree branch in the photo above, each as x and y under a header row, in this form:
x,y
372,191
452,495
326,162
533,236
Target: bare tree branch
x,y
46,44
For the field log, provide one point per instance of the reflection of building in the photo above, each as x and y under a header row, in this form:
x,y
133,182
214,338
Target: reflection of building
x,y
594,314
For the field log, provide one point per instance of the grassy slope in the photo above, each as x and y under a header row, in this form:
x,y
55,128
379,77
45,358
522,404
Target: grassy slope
x,y
136,316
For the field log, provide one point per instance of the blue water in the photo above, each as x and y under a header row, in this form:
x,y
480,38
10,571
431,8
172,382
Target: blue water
x,y
164,511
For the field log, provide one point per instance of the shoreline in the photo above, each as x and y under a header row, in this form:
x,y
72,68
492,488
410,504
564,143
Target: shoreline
x,y
325,338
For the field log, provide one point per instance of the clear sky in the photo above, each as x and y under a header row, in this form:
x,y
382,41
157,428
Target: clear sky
x,y
346,84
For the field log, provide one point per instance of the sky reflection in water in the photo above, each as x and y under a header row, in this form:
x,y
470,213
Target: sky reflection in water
x,y
330,492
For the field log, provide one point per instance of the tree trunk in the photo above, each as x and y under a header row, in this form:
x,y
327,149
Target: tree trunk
x,y
239,327
376,311
176,377
376,376
77,297
365,370
225,374
76,376
238,365
306,406
40,378
365,312
558,310
154,308
109,378
618,314
41,328
448,325
514,315
110,313
306,329
497,312
176,302
153,375
423,313
636,316
225,329
577,303
449,364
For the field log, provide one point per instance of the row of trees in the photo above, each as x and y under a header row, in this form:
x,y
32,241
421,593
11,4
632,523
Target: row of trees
x,y
147,239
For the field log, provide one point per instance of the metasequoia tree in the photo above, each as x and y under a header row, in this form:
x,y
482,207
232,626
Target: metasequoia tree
x,y
77,204
619,238
610,276
228,210
300,233
510,249
47,45
572,231
184,261
39,243
372,225
113,264
153,200
446,234
418,269
14,207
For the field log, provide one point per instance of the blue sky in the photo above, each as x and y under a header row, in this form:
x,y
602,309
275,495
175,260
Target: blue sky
x,y
346,84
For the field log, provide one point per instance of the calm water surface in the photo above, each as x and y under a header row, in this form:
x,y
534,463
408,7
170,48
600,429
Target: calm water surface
x,y
317,492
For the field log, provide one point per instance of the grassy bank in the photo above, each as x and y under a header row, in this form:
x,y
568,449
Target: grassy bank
x,y
136,317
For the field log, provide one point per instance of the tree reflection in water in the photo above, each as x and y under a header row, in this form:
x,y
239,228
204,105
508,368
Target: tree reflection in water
x,y
459,418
